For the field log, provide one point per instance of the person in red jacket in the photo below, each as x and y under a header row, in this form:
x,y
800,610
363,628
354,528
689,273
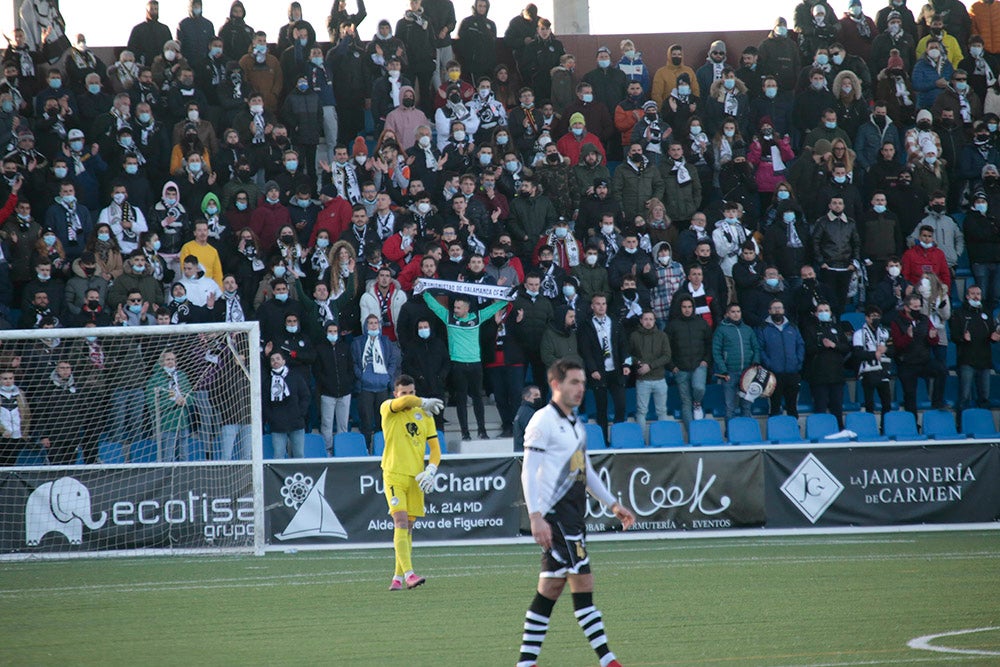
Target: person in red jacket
x,y
925,257
269,216
573,141
398,248
421,266
335,216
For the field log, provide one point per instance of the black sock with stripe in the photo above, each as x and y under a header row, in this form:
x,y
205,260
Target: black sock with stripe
x,y
536,624
592,623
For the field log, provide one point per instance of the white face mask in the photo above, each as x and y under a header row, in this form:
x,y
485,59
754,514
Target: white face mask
x,y
591,260
664,260
894,271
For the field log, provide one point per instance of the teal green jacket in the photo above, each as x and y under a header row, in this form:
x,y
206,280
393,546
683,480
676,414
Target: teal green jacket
x,y
463,334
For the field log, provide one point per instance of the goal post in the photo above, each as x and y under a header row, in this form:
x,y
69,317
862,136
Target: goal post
x,y
126,440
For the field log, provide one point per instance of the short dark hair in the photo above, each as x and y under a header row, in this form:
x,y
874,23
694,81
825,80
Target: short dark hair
x,y
524,392
872,309
403,381
924,228
561,368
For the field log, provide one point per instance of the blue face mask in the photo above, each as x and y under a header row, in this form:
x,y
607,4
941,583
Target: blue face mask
x,y
135,308
145,117
771,92
333,338
372,333
588,97
302,86
181,299
303,41
561,232
195,167
60,173
303,203
783,195
788,216
215,52
981,207
131,169
771,282
281,297
93,88
830,124
502,140
292,328
241,206
927,246
279,271
578,131
212,210
729,84
485,159
424,333
684,90
55,84
318,62
822,59
104,237
824,316
139,269
272,200
169,201
879,208
8,107
512,165
156,246
840,179
49,240
604,64
292,165
322,242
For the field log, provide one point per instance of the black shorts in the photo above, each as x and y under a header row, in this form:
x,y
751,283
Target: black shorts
x,y
568,554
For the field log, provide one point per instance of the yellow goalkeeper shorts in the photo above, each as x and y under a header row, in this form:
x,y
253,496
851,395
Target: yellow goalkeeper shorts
x,y
403,494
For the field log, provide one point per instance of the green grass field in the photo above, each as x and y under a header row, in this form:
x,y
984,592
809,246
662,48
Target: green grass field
x,y
850,600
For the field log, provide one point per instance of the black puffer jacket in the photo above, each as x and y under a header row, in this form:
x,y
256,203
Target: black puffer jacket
x,y
690,341
825,365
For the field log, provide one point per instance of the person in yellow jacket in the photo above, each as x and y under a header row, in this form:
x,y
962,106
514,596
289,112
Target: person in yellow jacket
x,y
408,428
665,79
938,34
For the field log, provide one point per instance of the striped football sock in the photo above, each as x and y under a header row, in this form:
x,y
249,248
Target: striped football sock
x,y
590,620
536,624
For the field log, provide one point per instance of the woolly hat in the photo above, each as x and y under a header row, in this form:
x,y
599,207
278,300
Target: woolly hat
x,y
75,134
895,62
650,106
360,147
924,114
822,147
893,15
329,190
577,118
718,45
271,185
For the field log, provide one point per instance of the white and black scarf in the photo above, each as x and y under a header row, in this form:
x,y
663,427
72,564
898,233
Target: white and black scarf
x,y
73,224
279,388
234,309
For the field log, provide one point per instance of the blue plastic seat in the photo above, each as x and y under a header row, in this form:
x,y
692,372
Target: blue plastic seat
x,y
666,434
821,425
855,319
630,404
627,435
315,446
978,423
865,425
784,430
951,357
744,431
351,443
110,453
714,403
805,399
901,425
265,445
705,432
378,443
595,436
940,425
31,456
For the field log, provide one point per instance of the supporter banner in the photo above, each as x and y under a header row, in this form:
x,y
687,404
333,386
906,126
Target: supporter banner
x,y
344,502
680,491
500,292
883,486
110,509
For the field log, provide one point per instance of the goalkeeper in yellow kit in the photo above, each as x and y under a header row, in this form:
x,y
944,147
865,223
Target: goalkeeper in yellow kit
x,y
408,429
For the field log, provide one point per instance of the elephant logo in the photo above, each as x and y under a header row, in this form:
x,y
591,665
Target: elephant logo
x,y
62,506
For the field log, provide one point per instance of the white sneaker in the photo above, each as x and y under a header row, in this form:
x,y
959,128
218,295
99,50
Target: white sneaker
x,y
698,413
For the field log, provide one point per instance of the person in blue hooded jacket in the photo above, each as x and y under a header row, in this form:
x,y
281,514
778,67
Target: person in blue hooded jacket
x,y
782,351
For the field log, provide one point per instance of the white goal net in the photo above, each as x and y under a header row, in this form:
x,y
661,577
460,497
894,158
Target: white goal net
x,y
130,440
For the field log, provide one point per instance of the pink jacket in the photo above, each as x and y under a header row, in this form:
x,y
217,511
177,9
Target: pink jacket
x,y
767,180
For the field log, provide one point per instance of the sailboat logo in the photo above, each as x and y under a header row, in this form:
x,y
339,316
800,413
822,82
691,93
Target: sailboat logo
x,y
313,516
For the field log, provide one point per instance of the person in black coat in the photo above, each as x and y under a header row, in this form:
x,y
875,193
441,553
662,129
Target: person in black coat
x,y
628,305
634,261
974,331
334,375
286,400
603,346
477,42
531,402
426,360
827,344
147,38
505,362
419,35
808,295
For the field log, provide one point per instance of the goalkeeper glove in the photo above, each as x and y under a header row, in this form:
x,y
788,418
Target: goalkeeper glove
x,y
432,405
425,480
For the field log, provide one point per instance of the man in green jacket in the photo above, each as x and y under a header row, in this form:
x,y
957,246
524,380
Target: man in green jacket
x,y
650,350
734,349
636,181
466,356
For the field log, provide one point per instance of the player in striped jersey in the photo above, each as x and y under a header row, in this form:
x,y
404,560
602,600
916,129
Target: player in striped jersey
x,y
556,477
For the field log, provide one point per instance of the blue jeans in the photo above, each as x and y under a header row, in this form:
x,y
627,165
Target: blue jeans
x,y
127,406
969,376
988,279
208,419
234,442
734,402
643,390
691,387
291,445
173,446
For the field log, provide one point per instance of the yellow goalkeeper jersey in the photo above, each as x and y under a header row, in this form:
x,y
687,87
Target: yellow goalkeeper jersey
x,y
407,432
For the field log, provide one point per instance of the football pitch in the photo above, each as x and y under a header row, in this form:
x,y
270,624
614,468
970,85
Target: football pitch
x,y
813,600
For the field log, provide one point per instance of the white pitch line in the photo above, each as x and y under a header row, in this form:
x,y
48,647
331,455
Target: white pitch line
x,y
924,643
905,661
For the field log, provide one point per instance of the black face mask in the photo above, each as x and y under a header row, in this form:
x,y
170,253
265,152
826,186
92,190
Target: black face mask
x,y
552,158
635,157
538,403
809,282
288,240
93,304
879,120
545,263
629,294
875,323
676,60
651,117
408,102
498,261
938,208
777,319
903,183
924,125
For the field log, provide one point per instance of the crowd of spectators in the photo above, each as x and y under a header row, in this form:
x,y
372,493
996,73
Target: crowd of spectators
x,y
688,220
